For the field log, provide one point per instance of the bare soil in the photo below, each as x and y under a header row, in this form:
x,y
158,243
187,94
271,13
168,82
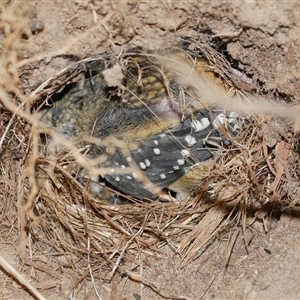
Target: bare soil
x,y
262,40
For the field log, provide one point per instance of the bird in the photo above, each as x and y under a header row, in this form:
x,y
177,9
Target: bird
x,y
158,124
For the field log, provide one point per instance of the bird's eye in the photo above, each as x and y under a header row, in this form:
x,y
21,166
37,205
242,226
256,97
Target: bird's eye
x,y
139,89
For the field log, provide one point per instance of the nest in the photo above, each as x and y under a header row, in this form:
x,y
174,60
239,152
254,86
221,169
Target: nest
x,y
89,238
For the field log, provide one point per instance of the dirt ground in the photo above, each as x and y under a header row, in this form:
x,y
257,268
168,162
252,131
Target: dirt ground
x,y
262,40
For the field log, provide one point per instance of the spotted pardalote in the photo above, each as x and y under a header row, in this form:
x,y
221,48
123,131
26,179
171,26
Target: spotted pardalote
x,y
161,114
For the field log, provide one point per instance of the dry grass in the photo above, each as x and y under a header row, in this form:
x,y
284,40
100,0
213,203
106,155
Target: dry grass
x,y
56,217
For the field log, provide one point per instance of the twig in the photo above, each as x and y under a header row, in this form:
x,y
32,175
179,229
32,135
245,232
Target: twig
x,y
154,286
20,278
90,270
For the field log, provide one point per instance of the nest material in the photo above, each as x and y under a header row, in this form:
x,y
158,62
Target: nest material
x,y
56,214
